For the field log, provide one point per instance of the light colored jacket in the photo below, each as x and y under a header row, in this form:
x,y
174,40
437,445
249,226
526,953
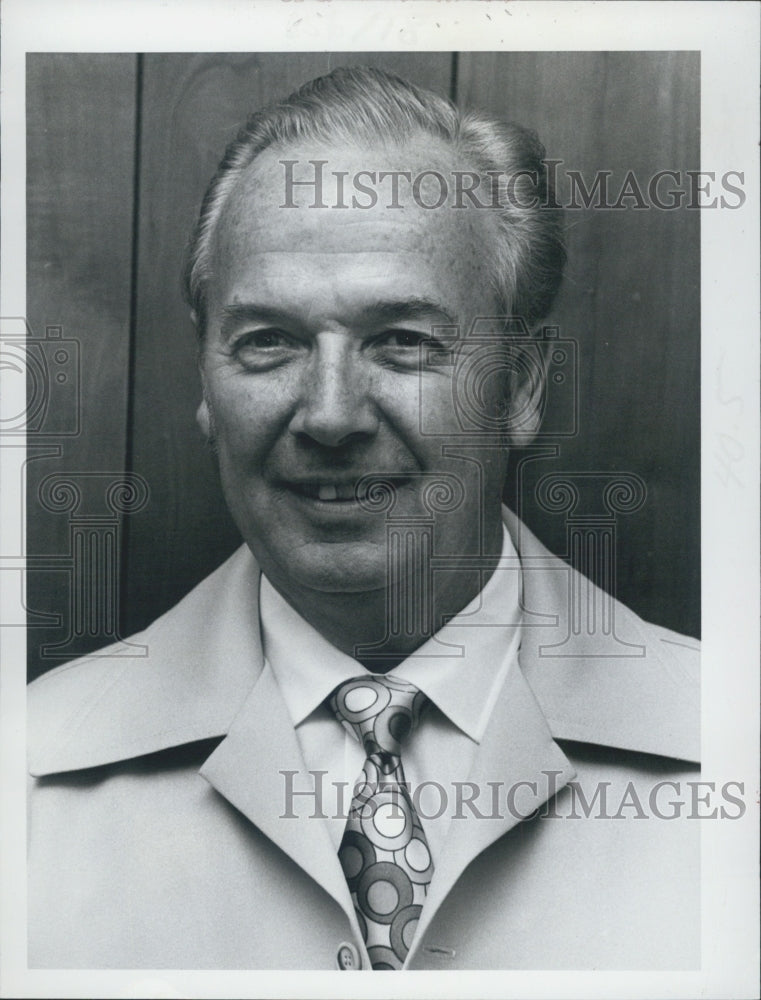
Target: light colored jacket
x,y
156,829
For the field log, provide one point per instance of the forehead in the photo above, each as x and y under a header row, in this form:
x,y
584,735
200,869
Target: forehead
x,y
270,230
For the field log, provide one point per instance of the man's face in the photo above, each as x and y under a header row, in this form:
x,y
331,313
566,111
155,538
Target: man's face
x,y
313,376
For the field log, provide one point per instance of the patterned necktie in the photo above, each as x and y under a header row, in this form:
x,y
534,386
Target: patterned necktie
x,y
384,852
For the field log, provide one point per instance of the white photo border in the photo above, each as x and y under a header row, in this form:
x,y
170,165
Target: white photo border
x,y
727,36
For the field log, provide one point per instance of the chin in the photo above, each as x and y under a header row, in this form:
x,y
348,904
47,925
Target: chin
x,y
334,568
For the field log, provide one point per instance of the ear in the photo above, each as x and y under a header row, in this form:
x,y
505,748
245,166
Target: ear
x,y
527,382
203,413
203,418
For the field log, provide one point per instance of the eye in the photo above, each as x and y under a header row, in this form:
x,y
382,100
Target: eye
x,y
263,339
404,339
259,350
410,350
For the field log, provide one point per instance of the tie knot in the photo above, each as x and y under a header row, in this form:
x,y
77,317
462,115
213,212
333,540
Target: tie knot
x,y
380,711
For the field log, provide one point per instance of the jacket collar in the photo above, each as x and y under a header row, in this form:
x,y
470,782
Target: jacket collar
x,y
624,687
600,673
183,680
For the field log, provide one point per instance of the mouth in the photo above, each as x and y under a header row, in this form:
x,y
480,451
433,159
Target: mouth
x,y
327,491
364,490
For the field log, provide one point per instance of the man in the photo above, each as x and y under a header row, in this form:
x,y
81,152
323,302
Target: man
x,y
377,736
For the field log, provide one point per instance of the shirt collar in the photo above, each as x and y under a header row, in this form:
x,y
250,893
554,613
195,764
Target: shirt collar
x,y
461,668
306,666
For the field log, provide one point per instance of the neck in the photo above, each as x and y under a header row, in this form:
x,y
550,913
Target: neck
x,y
380,628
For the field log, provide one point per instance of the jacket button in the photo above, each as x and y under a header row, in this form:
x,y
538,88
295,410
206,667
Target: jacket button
x,y
347,956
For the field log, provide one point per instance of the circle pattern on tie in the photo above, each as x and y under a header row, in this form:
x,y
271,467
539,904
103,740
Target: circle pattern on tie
x,y
403,929
356,853
415,859
389,825
366,785
360,701
384,852
380,711
386,886
383,958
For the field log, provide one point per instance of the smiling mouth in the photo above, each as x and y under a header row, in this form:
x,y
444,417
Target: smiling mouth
x,y
354,491
328,492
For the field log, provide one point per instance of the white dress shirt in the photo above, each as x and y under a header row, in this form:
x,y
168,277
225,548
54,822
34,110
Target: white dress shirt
x,y
462,669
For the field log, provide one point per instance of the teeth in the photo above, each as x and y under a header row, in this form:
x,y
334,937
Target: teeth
x,y
335,491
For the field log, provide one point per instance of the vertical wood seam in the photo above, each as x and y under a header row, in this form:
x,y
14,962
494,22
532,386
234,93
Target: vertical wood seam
x,y
132,327
453,73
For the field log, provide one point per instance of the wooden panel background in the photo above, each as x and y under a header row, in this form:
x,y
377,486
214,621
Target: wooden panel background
x,y
631,299
81,133
120,149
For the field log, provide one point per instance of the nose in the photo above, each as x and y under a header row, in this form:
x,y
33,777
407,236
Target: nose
x,y
335,405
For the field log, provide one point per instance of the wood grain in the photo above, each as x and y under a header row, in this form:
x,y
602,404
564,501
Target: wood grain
x,y
80,164
631,298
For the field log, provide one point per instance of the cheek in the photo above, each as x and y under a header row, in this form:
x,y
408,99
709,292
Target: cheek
x,y
245,423
459,428
429,405
472,400
417,412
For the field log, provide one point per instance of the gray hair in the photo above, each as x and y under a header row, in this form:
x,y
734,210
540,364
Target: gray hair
x,y
360,104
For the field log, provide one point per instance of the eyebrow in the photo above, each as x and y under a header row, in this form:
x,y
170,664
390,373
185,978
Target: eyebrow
x,y
411,308
379,312
243,312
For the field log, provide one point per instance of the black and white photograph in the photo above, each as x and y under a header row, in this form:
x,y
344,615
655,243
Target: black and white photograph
x,y
381,434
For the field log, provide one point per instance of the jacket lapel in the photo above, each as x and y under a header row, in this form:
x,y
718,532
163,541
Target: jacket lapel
x,y
621,683
195,667
516,769
195,681
637,695
251,768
